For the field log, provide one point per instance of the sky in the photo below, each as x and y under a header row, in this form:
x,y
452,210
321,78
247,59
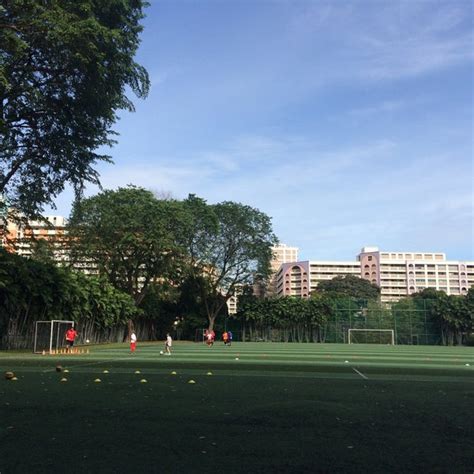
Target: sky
x,y
349,123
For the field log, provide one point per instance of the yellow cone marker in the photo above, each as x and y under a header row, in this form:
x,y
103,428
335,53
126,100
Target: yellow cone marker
x,y
143,381
97,380
191,381
173,373
106,371
66,371
14,378
209,373
64,379
137,372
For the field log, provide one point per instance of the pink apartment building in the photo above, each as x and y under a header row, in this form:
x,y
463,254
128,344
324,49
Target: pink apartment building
x,y
398,274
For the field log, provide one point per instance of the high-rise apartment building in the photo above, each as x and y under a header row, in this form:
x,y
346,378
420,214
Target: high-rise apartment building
x,y
282,254
18,236
398,274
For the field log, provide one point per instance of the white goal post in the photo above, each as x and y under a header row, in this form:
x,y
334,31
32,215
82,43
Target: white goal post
x,y
389,332
50,335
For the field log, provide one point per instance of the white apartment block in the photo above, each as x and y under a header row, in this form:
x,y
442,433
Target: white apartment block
x,y
232,304
398,274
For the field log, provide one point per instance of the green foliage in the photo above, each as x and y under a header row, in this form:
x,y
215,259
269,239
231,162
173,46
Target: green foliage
x,y
453,315
349,286
64,70
130,236
297,319
32,290
229,245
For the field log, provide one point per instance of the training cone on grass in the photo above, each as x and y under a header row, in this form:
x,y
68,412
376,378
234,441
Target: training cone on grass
x,y
66,371
143,381
97,380
105,371
64,379
173,373
209,373
137,372
191,381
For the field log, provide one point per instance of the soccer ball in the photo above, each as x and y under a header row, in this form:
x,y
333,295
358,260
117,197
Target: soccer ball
x,y
161,352
87,341
9,375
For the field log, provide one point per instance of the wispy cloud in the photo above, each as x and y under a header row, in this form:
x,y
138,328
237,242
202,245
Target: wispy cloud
x,y
393,41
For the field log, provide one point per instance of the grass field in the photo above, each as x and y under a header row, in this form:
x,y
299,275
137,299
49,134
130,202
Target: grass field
x,y
279,408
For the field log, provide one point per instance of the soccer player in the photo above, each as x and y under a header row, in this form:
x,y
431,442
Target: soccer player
x,y
133,342
210,335
225,337
229,335
71,334
168,344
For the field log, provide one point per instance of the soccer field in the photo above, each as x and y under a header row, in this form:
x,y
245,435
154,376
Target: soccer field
x,y
267,407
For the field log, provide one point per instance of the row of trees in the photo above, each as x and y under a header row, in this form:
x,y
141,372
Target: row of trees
x,y
168,257
32,290
138,241
428,317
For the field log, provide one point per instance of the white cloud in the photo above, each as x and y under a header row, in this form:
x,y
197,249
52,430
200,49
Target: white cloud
x,y
384,41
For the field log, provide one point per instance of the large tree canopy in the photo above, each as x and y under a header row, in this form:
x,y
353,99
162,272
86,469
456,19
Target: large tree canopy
x,y
130,237
229,245
349,286
64,69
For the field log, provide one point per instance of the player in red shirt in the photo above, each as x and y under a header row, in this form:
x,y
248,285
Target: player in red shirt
x,y
71,334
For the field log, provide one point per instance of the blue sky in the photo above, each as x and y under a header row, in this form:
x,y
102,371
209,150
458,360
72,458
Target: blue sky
x,y
349,123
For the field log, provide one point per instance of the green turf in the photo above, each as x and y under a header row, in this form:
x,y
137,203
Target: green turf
x,y
279,408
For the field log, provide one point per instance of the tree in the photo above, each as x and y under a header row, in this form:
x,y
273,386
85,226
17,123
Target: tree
x,y
32,290
349,286
229,244
64,69
130,237
452,314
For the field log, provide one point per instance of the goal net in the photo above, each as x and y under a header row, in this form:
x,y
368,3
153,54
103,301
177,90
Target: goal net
x,y
371,336
50,335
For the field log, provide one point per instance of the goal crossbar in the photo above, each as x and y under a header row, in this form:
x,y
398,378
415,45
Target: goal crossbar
x,y
390,331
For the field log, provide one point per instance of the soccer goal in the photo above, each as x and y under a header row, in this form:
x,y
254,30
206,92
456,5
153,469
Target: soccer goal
x,y
49,335
371,336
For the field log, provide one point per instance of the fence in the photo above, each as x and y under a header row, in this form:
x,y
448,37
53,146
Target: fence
x,y
410,325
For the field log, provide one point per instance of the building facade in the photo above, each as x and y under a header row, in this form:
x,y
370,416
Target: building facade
x,y
282,254
19,236
398,274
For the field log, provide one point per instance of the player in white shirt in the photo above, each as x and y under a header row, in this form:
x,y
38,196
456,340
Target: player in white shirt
x,y
133,342
168,344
